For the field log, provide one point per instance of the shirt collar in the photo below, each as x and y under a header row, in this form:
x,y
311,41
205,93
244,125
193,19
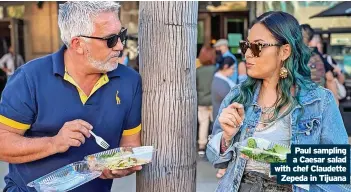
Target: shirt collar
x,y
58,61
115,73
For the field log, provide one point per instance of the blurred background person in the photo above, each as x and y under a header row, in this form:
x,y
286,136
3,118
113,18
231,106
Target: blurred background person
x,y
242,74
7,62
339,77
124,59
321,70
204,75
221,47
221,86
3,80
136,65
221,83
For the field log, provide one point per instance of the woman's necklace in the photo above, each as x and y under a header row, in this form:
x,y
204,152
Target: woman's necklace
x,y
268,123
266,118
268,110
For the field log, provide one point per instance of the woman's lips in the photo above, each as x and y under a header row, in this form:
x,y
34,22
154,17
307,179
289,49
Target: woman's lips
x,y
249,65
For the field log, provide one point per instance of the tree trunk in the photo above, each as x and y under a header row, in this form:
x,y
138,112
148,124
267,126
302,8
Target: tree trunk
x,y
167,49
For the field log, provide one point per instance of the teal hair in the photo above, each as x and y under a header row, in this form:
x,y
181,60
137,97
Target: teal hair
x,y
286,30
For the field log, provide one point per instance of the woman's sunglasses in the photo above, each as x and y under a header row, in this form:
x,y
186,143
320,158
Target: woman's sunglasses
x,y
256,48
113,39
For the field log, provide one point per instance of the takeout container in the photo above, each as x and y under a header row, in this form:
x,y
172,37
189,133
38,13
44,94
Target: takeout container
x,y
66,178
76,174
265,151
121,158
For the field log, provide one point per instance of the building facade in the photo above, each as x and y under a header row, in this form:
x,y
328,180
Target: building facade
x,y
31,27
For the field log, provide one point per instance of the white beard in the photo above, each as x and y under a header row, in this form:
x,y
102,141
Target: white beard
x,y
103,66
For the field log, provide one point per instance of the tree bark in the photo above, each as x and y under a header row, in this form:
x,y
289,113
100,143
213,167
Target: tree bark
x,y
167,53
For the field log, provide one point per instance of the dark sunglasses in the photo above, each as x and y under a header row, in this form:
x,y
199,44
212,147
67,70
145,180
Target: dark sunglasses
x,y
113,39
256,48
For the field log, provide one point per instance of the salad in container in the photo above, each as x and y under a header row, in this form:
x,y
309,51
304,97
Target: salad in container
x,y
121,158
262,150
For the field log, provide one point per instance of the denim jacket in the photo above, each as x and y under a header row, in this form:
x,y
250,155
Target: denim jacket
x,y
321,123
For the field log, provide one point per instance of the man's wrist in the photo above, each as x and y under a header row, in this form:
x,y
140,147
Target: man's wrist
x,y
52,145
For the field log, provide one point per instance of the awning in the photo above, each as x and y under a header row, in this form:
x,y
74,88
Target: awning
x,y
339,10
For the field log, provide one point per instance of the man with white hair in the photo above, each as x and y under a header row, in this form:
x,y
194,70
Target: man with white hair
x,y
51,104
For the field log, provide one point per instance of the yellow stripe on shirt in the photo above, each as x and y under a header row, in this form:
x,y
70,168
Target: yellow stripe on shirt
x,y
132,131
13,123
83,97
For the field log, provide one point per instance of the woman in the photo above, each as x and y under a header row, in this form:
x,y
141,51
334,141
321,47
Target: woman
x,y
221,86
204,77
242,75
221,83
339,77
278,102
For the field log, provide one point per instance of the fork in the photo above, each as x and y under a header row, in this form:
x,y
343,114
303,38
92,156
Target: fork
x,y
100,141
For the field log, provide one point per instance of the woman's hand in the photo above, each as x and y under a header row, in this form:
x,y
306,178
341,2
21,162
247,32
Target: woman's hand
x,y
231,119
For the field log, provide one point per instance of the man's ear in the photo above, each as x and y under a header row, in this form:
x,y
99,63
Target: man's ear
x,y
77,45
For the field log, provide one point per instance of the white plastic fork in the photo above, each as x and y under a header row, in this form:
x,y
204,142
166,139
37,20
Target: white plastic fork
x,y
100,141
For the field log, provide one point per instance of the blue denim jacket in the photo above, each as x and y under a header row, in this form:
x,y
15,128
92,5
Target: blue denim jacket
x,y
321,123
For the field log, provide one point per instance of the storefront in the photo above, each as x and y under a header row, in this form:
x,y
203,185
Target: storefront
x,y
216,20
228,20
335,31
31,27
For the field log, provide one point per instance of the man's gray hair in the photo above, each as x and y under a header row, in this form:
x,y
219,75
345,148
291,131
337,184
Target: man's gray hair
x,y
76,17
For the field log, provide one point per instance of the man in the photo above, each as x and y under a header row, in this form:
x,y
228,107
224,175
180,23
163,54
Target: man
x,y
222,46
51,103
321,70
7,62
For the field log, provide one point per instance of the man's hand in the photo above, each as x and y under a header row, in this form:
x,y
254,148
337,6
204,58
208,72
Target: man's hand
x,y
72,134
108,174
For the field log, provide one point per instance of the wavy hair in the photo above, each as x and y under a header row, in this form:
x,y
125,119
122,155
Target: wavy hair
x,y
286,30
77,17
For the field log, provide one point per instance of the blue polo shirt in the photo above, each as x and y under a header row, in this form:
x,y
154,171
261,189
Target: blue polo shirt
x,y
40,97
